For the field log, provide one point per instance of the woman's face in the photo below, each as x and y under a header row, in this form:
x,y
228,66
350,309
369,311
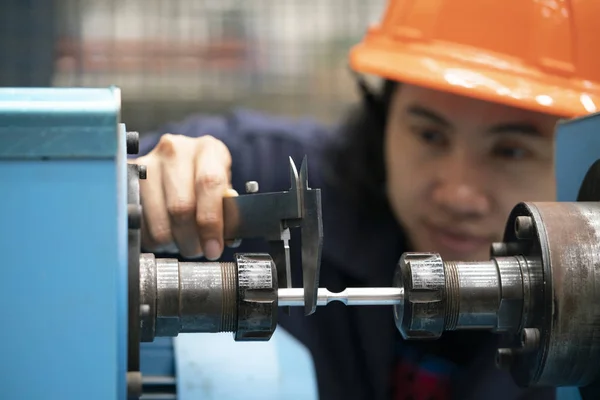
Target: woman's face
x,y
456,167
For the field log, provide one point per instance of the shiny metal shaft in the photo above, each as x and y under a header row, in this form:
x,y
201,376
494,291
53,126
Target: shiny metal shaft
x,y
350,297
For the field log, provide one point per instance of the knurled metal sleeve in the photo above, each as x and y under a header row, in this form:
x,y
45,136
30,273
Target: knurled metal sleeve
x,y
230,293
452,295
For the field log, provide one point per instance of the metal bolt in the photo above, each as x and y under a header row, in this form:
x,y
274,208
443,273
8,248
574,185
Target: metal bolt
x,y
134,216
134,384
235,244
504,358
142,171
251,187
133,142
144,310
499,249
530,339
502,249
524,227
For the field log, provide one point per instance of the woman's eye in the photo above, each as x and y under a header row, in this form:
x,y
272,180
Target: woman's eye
x,y
511,152
431,136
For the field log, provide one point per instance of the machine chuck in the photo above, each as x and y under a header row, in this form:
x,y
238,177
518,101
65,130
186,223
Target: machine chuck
x,y
538,290
207,297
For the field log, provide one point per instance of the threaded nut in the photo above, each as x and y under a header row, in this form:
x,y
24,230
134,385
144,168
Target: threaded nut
x,y
423,278
257,297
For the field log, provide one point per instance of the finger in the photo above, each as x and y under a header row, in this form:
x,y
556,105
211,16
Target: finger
x,y
237,242
213,164
156,228
154,247
178,170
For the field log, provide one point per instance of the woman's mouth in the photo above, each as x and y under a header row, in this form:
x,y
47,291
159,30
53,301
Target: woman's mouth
x,y
446,240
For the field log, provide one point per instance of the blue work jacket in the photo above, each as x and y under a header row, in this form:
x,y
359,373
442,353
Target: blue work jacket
x,y
355,349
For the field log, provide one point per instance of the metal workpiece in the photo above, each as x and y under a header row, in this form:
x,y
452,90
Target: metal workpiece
x,y
441,296
270,216
380,296
204,297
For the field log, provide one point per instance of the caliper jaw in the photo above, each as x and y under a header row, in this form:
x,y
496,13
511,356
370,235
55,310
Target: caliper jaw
x,y
271,215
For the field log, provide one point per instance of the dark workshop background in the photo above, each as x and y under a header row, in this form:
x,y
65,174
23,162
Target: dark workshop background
x,y
176,57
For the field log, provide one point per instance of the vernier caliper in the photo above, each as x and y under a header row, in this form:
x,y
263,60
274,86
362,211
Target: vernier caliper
x,y
270,216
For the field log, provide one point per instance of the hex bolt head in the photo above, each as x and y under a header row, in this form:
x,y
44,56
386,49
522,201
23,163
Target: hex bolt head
x,y
499,249
235,244
133,142
504,358
524,227
142,170
134,216
503,249
144,310
251,187
530,339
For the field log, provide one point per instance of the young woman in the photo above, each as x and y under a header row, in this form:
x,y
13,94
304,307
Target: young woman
x,y
433,160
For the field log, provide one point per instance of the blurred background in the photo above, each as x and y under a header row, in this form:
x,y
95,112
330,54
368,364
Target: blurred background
x,y
176,57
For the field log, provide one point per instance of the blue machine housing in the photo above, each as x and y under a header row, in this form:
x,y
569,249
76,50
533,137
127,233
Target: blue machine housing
x,y
63,282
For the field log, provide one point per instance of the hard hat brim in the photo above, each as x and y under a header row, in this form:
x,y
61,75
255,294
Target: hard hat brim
x,y
484,82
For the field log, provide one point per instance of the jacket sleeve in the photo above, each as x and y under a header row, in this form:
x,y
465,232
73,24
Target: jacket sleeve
x,y
260,145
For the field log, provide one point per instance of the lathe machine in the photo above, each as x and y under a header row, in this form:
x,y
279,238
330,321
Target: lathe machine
x,y
79,297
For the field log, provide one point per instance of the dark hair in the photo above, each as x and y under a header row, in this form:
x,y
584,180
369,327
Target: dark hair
x,y
356,157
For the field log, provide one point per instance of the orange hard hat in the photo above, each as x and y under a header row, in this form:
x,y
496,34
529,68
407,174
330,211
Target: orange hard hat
x,y
534,54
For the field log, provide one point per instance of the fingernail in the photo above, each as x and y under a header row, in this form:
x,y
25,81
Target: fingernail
x,y
195,256
212,249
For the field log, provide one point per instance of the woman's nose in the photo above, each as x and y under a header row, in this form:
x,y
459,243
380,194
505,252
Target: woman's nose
x,y
460,189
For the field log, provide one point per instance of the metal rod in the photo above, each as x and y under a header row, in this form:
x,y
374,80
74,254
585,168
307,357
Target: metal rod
x,y
350,297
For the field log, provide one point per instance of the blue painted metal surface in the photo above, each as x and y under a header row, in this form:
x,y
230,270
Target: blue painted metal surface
x,y
577,148
158,358
63,281
53,122
213,366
